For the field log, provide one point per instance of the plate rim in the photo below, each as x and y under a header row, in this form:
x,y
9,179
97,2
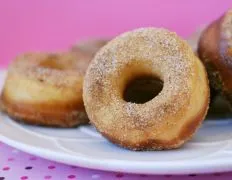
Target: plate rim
x,y
139,167
163,168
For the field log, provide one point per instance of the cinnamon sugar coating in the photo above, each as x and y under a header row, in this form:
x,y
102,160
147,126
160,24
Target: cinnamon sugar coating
x,y
45,89
170,118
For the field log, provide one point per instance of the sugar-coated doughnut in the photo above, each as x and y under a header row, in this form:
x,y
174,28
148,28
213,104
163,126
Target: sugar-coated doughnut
x,y
90,46
164,122
45,89
86,49
215,50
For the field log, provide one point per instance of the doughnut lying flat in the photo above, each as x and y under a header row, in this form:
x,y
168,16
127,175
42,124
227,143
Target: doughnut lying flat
x,y
45,89
215,50
90,46
86,50
170,118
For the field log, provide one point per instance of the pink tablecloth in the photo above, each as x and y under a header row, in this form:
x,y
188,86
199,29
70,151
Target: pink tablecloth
x,y
28,25
16,165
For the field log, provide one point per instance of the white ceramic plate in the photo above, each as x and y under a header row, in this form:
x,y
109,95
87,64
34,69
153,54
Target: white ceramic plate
x,y
209,151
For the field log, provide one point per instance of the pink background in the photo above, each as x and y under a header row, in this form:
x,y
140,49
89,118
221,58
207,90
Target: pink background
x,y
27,25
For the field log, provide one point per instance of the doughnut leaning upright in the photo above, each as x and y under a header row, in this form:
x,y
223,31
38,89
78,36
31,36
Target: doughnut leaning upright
x,y
166,121
215,51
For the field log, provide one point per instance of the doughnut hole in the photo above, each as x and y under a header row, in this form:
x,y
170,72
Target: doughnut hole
x,y
142,89
57,63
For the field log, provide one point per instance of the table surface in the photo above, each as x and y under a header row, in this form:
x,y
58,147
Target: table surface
x,y
55,25
17,165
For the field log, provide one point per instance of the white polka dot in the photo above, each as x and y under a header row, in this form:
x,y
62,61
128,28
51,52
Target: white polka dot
x,y
15,151
95,176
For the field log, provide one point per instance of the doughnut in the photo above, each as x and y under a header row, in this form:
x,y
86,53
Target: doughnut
x,y
165,121
86,50
193,42
215,51
89,47
193,39
45,89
